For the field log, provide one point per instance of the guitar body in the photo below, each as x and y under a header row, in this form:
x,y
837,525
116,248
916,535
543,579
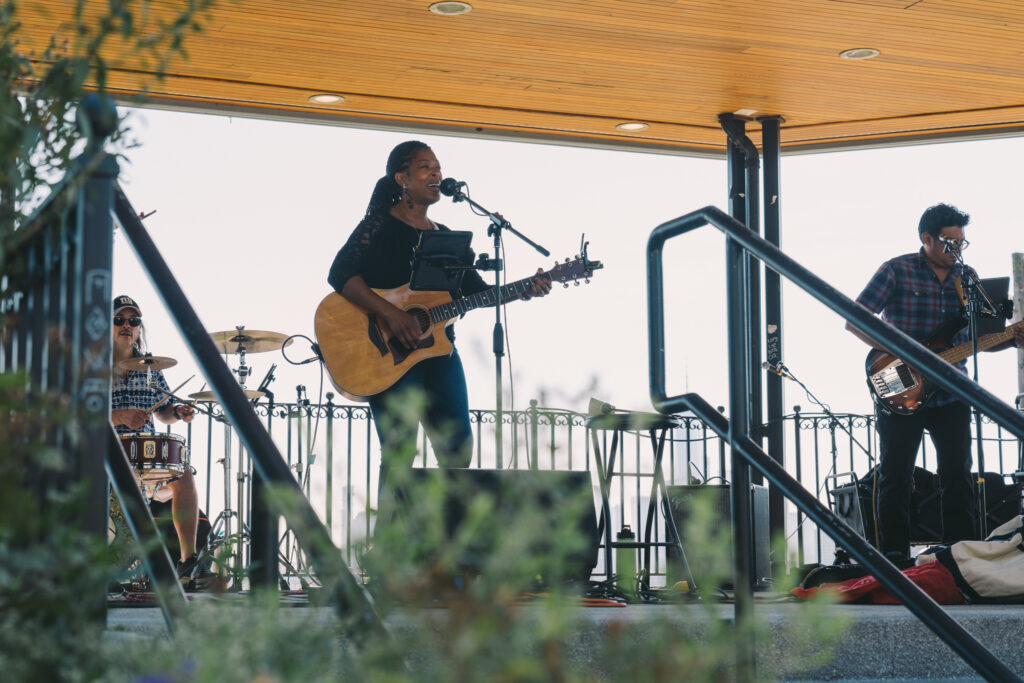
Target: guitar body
x,y
361,354
364,358
897,386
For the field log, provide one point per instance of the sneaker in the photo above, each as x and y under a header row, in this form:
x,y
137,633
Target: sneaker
x,y
185,567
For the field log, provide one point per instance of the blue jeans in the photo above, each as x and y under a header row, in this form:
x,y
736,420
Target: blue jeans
x,y
432,392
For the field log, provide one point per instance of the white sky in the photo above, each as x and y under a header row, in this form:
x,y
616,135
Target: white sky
x,y
249,215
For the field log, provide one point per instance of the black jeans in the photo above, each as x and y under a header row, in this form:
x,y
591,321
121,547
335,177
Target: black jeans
x,y
899,438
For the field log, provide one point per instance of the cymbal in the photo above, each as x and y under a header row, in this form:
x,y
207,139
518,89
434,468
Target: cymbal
x,y
208,395
142,363
251,341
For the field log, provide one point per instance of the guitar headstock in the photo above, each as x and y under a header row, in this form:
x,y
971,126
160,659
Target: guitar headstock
x,y
579,268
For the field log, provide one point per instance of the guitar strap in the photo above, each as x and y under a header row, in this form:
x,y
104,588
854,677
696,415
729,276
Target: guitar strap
x,y
959,285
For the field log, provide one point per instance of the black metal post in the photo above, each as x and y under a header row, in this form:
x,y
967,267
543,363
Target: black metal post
x,y
744,167
89,297
771,149
740,485
263,567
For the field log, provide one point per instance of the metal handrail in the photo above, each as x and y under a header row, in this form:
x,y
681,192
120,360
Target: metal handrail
x,y
735,431
284,493
925,361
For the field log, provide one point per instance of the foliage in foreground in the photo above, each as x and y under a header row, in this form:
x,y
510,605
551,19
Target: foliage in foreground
x,y
478,560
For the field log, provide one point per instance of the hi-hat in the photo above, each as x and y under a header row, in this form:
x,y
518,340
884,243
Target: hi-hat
x,y
147,362
208,395
250,341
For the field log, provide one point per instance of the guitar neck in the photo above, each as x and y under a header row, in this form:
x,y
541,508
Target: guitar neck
x,y
986,341
457,307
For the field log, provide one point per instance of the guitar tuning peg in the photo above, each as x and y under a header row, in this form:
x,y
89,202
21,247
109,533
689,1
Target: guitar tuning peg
x,y
576,283
566,259
587,280
565,285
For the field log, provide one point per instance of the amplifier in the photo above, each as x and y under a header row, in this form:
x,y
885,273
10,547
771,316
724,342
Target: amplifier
x,y
681,497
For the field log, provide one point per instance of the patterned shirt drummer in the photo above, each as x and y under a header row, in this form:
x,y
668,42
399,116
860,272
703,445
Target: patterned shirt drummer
x,y
133,391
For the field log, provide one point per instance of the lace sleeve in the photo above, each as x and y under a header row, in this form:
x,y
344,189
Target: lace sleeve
x,y
352,257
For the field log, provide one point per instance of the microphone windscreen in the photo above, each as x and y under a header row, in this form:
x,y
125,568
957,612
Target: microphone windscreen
x,y
449,186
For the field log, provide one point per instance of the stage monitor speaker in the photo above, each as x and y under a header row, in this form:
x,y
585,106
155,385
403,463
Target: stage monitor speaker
x,y
680,500
549,516
853,503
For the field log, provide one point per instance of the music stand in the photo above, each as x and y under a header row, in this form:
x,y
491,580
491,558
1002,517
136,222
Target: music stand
x,y
998,290
440,260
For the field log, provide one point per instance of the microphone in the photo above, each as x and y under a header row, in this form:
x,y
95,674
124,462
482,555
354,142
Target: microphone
x,y
777,369
450,186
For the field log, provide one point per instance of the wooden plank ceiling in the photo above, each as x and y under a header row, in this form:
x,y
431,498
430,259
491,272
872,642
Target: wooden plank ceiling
x,y
571,70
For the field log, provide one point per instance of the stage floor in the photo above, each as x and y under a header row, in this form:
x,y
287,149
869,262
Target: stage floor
x,y
881,642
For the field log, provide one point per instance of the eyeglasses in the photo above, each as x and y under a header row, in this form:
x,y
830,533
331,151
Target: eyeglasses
x,y
119,320
954,245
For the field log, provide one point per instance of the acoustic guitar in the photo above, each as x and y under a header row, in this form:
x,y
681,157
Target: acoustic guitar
x,y
901,389
364,358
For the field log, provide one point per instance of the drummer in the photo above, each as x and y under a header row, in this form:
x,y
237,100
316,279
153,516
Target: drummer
x,y
131,399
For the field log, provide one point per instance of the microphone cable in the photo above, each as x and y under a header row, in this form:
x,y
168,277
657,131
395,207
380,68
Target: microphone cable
x,y
320,393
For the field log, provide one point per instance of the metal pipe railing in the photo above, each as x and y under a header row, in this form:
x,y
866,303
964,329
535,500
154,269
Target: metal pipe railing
x,y
905,590
284,494
741,241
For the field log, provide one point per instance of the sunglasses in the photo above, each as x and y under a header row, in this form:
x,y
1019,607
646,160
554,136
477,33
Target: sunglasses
x,y
119,320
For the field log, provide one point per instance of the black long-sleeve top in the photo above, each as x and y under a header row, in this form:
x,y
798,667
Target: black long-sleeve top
x,y
380,250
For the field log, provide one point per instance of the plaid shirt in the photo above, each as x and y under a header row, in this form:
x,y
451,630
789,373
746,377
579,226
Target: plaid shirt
x,y
135,392
910,297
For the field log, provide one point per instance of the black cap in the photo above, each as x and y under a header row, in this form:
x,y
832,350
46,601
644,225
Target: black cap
x,y
122,302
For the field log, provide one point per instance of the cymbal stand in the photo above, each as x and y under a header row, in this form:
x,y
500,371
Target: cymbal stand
x,y
243,371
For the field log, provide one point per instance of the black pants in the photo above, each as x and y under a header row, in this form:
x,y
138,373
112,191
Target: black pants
x,y
899,438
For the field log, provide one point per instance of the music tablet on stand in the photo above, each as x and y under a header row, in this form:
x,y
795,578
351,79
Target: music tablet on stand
x,y
440,259
998,289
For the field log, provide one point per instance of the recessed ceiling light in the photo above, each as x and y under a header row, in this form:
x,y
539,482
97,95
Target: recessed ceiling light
x,y
326,98
860,53
632,126
450,8
745,112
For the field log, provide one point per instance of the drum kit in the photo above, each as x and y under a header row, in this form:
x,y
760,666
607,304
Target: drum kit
x,y
161,459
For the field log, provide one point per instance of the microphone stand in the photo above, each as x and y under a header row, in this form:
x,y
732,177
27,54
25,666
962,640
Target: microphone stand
x,y
978,303
842,556
498,338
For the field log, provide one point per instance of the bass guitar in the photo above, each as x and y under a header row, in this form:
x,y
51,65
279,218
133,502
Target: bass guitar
x,y
900,388
364,358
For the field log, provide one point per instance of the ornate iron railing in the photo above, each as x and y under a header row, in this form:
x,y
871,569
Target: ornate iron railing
x,y
332,450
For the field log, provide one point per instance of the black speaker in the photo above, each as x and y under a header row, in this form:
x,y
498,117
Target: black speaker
x,y
549,516
853,503
680,500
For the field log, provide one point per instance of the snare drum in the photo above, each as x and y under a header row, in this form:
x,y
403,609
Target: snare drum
x,y
156,458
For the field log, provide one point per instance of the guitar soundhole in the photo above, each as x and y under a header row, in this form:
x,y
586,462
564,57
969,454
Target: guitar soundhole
x,y
421,317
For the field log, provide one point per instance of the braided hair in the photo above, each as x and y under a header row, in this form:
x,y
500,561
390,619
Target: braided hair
x,y
387,192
